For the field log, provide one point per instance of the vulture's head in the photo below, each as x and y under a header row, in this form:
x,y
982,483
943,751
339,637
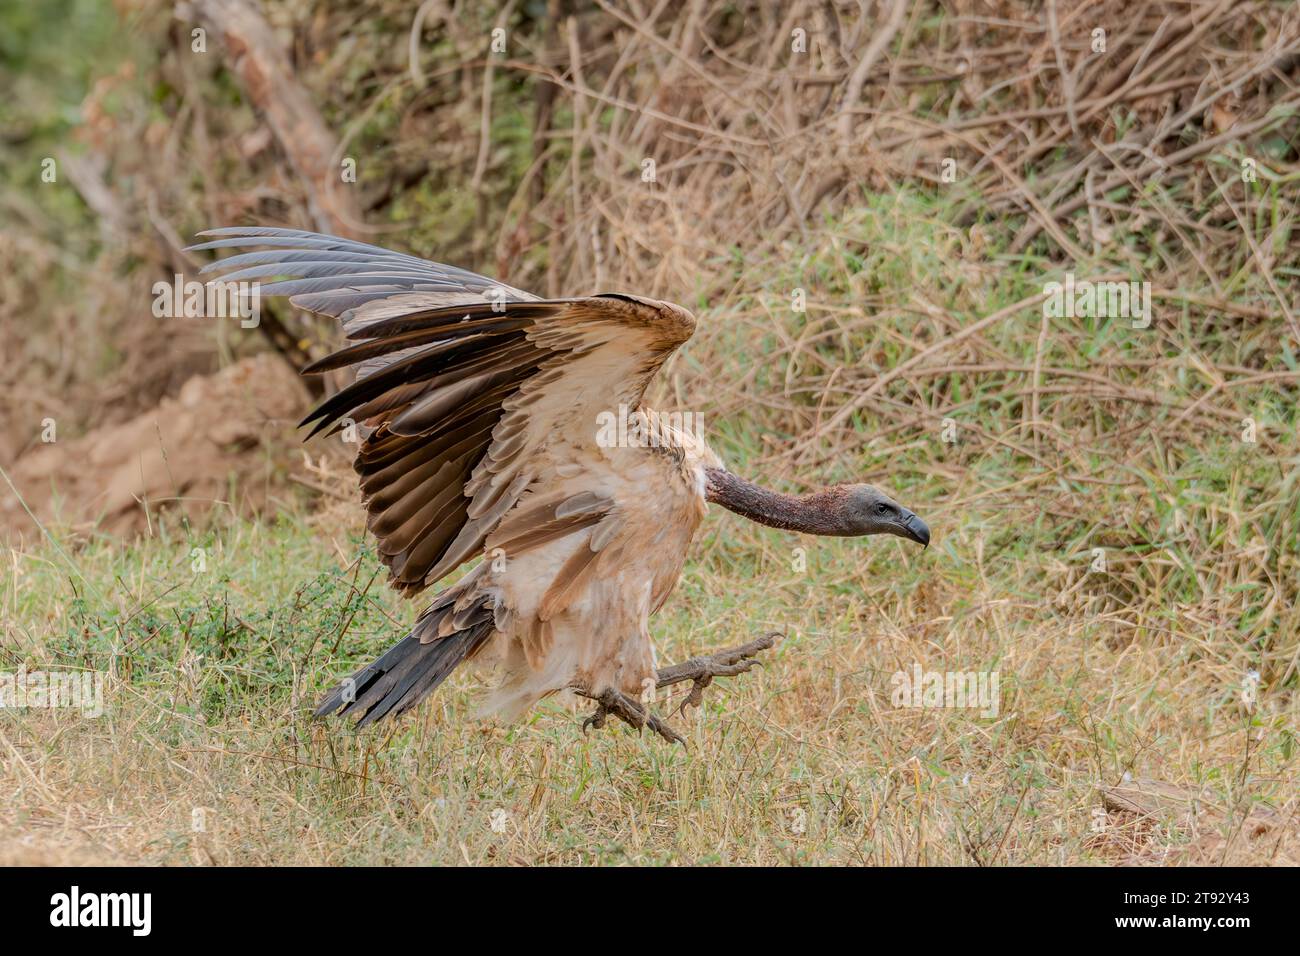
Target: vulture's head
x,y
868,510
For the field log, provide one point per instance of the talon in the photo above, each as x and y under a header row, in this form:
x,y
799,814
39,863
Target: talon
x,y
700,671
597,720
625,709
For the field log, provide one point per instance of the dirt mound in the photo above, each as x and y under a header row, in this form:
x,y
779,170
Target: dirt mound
x,y
223,436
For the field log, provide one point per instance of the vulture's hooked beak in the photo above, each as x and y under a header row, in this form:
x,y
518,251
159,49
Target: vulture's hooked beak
x,y
916,529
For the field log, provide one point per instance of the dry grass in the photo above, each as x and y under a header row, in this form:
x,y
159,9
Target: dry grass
x,y
805,760
923,313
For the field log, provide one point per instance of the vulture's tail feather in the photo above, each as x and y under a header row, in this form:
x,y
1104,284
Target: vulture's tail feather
x,y
410,669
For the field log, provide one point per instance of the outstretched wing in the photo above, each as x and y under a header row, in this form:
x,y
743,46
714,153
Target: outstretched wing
x,y
463,384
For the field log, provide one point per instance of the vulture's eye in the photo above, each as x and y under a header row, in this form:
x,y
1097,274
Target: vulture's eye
x,y
882,509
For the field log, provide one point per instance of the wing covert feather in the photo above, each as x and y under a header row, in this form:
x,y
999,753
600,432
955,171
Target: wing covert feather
x,y
466,390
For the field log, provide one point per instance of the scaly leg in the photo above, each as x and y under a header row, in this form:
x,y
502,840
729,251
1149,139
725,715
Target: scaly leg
x,y
699,670
702,670
627,710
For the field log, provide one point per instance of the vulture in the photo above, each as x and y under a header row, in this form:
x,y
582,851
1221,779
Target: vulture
x,y
480,412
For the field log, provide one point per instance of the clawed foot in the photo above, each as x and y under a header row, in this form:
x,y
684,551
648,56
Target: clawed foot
x,y
699,670
630,712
